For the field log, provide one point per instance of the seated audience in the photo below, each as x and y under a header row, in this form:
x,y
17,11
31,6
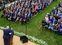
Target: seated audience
x,y
54,19
23,10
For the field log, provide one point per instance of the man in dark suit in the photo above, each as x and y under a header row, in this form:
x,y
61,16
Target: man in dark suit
x,y
8,36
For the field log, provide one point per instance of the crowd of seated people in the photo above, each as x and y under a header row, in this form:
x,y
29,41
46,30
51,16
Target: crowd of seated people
x,y
23,10
53,20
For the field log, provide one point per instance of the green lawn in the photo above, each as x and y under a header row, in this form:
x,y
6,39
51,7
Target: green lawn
x,y
33,27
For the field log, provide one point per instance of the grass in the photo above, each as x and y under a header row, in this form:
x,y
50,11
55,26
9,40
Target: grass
x,y
33,27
